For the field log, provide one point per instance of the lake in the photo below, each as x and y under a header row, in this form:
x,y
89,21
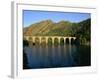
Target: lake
x,y
39,56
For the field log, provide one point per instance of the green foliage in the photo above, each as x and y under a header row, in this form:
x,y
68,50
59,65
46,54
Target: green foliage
x,y
62,41
84,31
56,41
50,41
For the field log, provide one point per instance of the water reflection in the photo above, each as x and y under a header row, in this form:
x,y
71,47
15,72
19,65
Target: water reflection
x,y
57,56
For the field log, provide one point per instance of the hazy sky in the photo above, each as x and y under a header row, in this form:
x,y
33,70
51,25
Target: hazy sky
x,y
30,17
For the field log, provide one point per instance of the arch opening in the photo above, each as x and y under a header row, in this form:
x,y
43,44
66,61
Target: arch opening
x,y
30,39
62,41
43,41
56,41
37,41
49,41
72,41
67,41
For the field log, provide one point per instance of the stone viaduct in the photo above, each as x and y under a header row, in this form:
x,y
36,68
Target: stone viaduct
x,y
41,39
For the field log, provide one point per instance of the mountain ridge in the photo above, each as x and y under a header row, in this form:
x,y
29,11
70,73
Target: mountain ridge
x,y
43,27
50,28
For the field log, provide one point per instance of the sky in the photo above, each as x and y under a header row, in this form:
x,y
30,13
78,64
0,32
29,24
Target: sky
x,y
31,16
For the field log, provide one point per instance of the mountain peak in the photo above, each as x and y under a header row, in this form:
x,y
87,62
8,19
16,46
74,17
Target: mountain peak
x,y
48,21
